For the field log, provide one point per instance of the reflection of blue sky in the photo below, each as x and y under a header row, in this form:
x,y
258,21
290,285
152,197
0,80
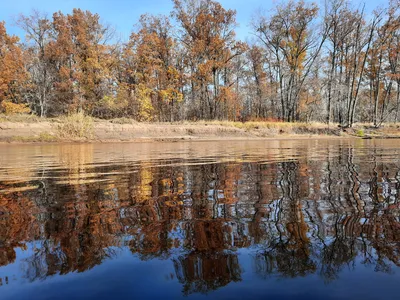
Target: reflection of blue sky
x,y
14,271
123,14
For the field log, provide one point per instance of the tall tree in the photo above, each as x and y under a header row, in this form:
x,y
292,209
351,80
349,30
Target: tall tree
x,y
209,39
83,59
154,51
382,65
13,74
290,35
38,31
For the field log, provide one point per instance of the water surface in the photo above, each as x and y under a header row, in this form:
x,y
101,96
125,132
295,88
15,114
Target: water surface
x,y
305,219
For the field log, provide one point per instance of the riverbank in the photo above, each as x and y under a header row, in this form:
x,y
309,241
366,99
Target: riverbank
x,y
35,130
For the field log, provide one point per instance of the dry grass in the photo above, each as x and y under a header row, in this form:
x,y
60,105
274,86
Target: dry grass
x,y
43,137
268,128
20,118
123,121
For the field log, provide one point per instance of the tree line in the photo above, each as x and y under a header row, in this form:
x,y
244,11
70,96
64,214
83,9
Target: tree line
x,y
334,63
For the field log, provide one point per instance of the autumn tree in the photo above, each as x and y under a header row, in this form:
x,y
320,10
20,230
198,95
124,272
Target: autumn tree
x,y
152,74
359,47
382,65
393,51
290,35
82,58
258,80
157,40
38,31
207,33
336,11
13,74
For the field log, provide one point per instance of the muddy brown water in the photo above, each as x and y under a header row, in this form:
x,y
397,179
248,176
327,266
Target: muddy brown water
x,y
304,219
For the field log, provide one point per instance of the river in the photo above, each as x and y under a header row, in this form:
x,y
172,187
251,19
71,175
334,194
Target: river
x,y
304,219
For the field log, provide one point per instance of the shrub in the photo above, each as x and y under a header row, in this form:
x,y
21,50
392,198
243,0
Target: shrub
x,y
360,133
10,108
76,126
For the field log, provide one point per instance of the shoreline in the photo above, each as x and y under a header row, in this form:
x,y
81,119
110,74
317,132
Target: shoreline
x,y
103,131
175,140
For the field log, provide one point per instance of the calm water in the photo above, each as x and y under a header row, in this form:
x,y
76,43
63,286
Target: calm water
x,y
310,219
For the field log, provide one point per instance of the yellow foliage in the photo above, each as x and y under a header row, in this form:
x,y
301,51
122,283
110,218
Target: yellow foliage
x,y
143,97
170,95
114,103
10,108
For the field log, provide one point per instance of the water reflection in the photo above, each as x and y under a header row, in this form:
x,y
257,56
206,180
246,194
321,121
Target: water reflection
x,y
297,208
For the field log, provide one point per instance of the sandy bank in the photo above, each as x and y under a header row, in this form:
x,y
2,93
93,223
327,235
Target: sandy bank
x,y
107,131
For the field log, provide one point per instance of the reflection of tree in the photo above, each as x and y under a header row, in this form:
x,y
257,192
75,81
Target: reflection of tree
x,y
334,256
201,272
288,263
304,216
17,224
7,255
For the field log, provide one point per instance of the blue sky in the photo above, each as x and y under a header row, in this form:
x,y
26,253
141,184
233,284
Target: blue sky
x,y
123,14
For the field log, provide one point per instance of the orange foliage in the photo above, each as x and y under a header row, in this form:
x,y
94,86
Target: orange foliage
x,y
12,69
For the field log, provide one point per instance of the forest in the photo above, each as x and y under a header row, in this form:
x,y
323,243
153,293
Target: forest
x,y
335,62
